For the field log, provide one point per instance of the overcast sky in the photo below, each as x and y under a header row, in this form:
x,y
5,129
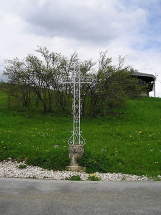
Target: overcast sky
x,y
129,28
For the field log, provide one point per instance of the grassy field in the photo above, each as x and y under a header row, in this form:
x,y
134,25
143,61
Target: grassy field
x,y
130,139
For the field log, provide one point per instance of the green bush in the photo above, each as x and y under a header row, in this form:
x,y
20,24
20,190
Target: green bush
x,y
75,178
3,155
22,166
55,159
94,162
94,177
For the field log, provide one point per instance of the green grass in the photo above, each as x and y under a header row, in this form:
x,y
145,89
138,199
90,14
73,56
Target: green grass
x,y
93,177
130,139
74,178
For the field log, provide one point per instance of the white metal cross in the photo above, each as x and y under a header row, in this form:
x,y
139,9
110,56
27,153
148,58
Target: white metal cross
x,y
76,137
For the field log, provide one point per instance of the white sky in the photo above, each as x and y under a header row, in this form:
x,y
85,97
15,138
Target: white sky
x,y
123,27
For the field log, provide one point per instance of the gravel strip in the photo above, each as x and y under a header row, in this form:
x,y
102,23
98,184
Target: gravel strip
x,y
9,169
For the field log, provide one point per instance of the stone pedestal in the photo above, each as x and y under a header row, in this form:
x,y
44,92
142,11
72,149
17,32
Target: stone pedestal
x,y
75,151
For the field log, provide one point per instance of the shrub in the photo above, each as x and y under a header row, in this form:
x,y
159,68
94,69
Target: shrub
x,y
94,162
56,159
22,166
94,177
75,178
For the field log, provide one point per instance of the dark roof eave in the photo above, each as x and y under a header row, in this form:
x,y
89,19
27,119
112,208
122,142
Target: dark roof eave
x,y
139,74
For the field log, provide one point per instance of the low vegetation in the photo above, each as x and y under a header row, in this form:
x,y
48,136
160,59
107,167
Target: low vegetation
x,y
126,140
40,83
74,178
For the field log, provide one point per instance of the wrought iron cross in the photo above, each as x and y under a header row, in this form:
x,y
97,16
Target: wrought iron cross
x,y
76,77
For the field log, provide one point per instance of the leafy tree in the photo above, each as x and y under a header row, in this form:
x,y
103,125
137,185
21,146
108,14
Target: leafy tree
x,y
41,79
17,85
39,76
114,85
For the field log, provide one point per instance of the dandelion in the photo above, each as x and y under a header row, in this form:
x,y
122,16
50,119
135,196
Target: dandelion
x,y
2,141
19,143
130,136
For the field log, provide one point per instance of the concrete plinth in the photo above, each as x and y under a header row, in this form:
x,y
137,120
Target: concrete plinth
x,y
75,151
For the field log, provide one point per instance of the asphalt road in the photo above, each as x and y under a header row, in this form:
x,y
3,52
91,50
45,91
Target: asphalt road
x,y
48,197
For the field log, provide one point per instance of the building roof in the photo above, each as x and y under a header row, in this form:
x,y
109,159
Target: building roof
x,y
148,77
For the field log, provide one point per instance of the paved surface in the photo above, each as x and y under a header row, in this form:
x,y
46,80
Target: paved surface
x,y
45,197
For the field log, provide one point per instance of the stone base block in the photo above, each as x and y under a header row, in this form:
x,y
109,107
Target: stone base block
x,y
76,168
75,151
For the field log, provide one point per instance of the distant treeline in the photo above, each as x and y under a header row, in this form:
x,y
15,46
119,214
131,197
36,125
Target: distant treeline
x,y
38,82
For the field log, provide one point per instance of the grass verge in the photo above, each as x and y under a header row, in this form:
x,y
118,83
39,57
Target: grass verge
x,y
126,141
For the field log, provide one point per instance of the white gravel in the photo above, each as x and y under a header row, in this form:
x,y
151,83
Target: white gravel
x,y
9,169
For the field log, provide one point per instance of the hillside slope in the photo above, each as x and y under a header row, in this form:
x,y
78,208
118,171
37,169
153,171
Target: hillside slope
x,y
130,138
